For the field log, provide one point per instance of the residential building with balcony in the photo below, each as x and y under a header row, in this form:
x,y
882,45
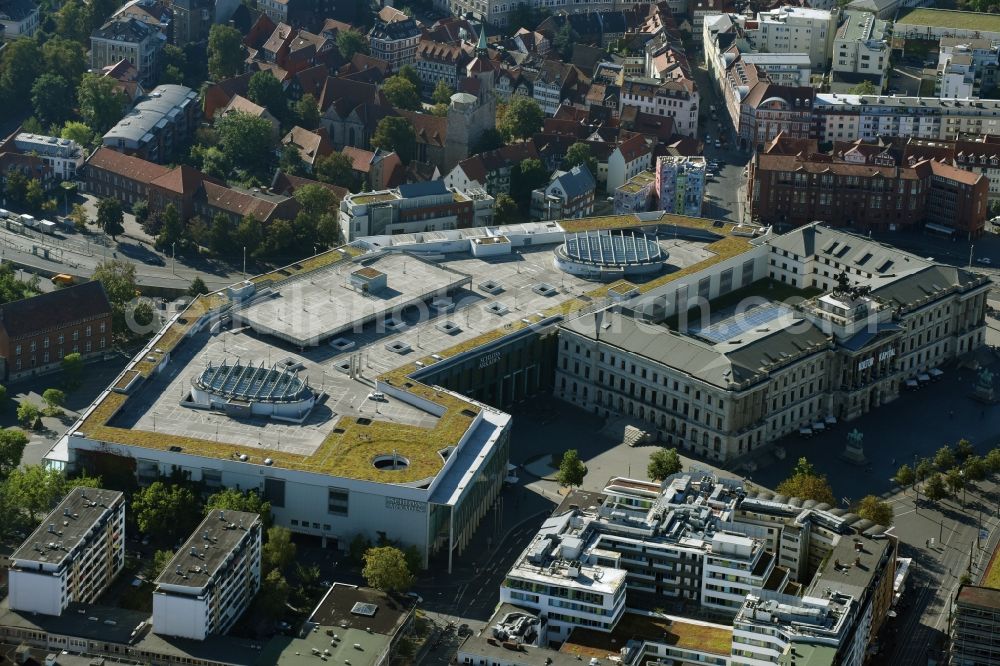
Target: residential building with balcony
x,y
791,29
212,579
129,39
73,556
157,125
394,38
861,46
413,208
966,68
63,156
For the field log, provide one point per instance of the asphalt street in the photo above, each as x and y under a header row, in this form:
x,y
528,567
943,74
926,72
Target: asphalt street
x,y
76,253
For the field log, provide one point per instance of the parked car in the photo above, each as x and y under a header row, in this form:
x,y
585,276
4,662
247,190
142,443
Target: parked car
x,y
985,261
377,396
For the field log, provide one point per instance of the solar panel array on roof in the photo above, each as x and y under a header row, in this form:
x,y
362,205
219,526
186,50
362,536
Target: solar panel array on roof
x,y
741,323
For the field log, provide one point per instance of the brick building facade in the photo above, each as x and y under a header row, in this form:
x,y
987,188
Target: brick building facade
x,y
37,333
864,186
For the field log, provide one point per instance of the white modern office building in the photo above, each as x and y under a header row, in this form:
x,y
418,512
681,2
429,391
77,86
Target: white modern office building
x,y
793,30
212,579
72,556
861,46
63,155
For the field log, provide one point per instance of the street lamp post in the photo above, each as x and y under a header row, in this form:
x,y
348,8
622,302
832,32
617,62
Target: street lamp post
x,y
244,263
173,258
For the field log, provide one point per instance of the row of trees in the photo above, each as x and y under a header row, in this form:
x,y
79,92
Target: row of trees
x,y
949,471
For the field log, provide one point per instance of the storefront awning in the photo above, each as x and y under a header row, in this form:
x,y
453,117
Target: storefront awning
x,y
940,229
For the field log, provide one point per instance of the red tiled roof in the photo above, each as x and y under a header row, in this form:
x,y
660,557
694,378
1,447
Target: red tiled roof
x,y
361,159
131,167
633,148
182,180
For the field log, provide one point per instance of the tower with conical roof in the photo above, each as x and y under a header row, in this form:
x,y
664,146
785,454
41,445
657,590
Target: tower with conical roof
x,y
473,109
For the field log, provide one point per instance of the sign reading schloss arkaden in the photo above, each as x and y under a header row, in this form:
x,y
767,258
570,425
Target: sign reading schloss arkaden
x,y
486,360
884,355
402,504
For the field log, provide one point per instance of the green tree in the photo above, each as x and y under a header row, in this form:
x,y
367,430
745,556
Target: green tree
x,y
174,65
925,468
963,449
505,210
337,169
409,73
954,479
904,476
873,509
522,118
564,40
944,459
571,469
3,394
440,110
21,64
386,569
100,11
442,93
54,399
307,112
12,289
33,490
579,153
161,558
350,42
278,552
291,161
27,413
401,93
12,443
110,217
100,103
993,461
245,140
975,468
935,488
197,287
525,177
77,131
73,22
16,191
34,195
357,548
166,512
231,499
266,90
67,58
51,97
171,229
140,210
662,463
315,200
72,368
225,52
396,133
220,236
328,230
490,139
249,235
806,483
272,599
118,278
214,162
864,88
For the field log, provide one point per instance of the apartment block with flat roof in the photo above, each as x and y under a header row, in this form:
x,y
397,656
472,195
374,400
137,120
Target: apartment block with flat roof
x,y
72,556
212,579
